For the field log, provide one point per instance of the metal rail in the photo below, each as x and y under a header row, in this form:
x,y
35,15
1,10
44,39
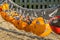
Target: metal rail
x,y
25,11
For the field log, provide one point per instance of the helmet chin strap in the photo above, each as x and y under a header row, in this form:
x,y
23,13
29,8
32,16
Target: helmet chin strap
x,y
43,15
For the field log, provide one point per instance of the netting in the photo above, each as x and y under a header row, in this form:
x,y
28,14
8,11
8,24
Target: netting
x,y
33,12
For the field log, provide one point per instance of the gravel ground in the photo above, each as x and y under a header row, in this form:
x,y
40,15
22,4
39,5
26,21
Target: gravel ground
x,y
9,32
